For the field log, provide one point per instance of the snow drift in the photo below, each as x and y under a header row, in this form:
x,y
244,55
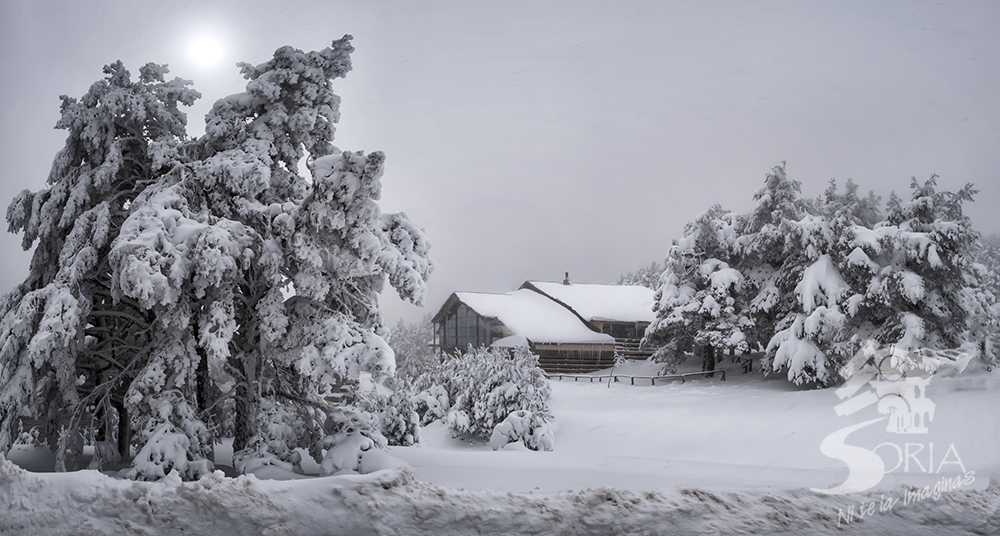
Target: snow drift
x,y
393,502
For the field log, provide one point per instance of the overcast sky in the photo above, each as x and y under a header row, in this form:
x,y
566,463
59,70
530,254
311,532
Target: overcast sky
x,y
534,138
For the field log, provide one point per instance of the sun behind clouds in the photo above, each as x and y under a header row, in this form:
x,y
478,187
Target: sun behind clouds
x,y
206,50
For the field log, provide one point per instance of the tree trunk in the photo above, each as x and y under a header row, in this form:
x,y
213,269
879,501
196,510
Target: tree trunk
x,y
124,430
708,358
247,403
201,381
102,419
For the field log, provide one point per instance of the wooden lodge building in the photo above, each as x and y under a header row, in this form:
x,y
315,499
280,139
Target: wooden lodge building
x,y
571,327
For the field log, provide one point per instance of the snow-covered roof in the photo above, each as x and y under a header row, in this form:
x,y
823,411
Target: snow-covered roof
x,y
602,303
514,341
533,316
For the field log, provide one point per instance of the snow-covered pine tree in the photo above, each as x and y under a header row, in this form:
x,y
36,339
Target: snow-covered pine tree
x,y
762,250
698,304
68,348
818,329
928,291
212,246
821,277
156,294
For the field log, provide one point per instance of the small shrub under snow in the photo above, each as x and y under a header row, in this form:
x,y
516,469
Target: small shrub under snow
x,y
172,438
533,431
431,404
350,434
168,450
335,437
258,455
398,420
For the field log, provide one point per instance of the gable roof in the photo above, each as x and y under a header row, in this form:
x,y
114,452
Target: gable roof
x,y
601,303
533,316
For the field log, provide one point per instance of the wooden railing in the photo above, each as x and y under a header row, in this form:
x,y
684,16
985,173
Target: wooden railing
x,y
652,379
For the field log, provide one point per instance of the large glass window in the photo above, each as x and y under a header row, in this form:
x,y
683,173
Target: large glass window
x,y
463,327
623,331
450,329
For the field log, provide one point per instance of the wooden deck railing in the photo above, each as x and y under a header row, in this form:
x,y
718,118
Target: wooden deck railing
x,y
652,379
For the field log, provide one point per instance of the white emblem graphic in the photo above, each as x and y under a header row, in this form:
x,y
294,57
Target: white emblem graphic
x,y
899,381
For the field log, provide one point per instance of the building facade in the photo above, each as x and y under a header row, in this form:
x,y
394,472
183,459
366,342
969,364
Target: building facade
x,y
571,327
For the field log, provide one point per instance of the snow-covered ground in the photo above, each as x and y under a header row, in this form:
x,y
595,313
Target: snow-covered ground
x,y
702,457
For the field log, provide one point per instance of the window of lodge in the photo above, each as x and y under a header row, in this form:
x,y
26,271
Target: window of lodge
x,y
464,327
620,330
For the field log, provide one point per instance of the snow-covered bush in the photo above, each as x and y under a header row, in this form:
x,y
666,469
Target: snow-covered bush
x,y
28,438
431,403
285,427
335,437
166,449
349,434
260,454
398,420
172,438
533,431
482,387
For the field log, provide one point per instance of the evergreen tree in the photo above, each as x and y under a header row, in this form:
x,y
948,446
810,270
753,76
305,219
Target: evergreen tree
x,y
819,278
698,305
818,329
908,280
929,292
205,251
988,258
69,348
770,262
648,277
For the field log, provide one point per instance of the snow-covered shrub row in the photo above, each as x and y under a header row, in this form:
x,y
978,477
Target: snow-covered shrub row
x,y
155,316
809,281
478,390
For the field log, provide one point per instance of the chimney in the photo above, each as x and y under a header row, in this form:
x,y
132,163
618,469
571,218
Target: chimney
x,y
566,281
